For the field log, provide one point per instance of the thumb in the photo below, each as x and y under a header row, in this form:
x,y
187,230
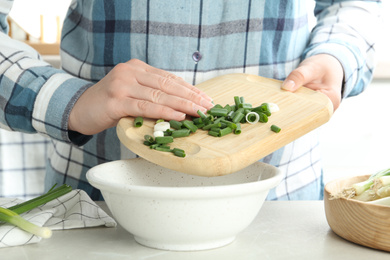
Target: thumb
x,y
297,78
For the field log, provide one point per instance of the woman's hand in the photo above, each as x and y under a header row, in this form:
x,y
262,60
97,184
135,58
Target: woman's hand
x,y
321,72
135,89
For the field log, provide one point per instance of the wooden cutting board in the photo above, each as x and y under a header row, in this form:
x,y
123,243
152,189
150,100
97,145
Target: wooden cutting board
x,y
300,112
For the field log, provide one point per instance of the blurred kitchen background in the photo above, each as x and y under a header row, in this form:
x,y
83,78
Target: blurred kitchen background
x,y
355,141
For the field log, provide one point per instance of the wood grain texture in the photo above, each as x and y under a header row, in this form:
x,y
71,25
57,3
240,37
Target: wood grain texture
x,y
300,113
359,222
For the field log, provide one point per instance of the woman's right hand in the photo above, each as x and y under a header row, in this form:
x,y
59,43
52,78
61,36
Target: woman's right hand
x,y
135,89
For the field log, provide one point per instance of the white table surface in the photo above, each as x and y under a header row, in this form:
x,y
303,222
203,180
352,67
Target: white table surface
x,y
282,230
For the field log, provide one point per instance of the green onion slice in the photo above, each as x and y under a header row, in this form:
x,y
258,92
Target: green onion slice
x,y
252,117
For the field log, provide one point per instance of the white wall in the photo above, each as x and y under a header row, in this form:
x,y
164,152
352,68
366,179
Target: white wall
x,y
356,140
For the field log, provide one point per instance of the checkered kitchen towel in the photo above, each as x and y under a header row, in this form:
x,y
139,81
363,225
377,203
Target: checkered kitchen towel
x,y
72,210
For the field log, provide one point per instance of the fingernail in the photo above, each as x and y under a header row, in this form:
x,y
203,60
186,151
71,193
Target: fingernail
x,y
180,116
206,104
207,97
288,85
201,108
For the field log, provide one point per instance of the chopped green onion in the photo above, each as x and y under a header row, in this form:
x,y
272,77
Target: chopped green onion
x,y
263,118
215,129
237,117
153,146
214,133
229,124
175,124
197,121
168,132
237,130
163,149
179,152
275,128
147,143
162,126
164,139
149,138
225,131
181,133
190,125
237,101
201,114
218,111
228,108
246,105
209,126
264,108
200,125
138,121
252,117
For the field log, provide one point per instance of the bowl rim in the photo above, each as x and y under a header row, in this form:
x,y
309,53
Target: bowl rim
x,y
184,192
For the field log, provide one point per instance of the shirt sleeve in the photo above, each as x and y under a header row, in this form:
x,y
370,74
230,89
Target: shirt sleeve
x,y
348,31
34,96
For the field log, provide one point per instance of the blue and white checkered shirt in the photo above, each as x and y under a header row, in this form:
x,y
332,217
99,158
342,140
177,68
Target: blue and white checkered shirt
x,y
196,40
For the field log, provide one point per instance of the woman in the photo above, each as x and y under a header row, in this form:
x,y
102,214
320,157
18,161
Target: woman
x,y
142,58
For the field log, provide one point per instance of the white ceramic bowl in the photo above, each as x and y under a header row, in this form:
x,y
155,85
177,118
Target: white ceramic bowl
x,y
170,210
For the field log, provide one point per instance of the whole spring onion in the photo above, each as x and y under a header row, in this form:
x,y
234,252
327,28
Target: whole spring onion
x,y
383,191
365,190
52,194
382,181
11,215
15,219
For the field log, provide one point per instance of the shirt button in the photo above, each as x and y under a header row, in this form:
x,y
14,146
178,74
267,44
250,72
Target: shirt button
x,y
197,56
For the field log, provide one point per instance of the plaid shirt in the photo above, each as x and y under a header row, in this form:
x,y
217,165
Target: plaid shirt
x,y
196,40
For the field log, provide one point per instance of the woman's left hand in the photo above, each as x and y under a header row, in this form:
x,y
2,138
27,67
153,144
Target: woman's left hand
x,y
322,73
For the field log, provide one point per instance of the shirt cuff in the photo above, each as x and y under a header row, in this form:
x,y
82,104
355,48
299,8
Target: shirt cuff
x,y
53,106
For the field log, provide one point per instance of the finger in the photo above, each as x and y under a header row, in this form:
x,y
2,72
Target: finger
x,y
162,98
173,88
144,108
165,74
298,77
177,79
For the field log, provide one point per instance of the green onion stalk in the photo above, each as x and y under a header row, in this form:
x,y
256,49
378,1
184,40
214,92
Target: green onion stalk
x,y
11,215
361,187
365,190
13,218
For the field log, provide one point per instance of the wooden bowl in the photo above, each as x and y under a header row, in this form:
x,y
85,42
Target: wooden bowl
x,y
359,222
